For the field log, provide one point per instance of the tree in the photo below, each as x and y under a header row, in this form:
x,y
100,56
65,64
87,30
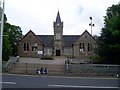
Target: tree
x,y
15,34
11,36
109,41
7,49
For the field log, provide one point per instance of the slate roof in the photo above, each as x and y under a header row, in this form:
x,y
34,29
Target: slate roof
x,y
68,40
48,40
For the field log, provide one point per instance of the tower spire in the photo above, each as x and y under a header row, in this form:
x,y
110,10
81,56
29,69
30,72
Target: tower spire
x,y
58,19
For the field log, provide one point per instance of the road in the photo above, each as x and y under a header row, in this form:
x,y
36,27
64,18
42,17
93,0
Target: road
x,y
29,81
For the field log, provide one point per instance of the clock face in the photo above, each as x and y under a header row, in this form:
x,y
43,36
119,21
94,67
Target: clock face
x,y
57,35
58,24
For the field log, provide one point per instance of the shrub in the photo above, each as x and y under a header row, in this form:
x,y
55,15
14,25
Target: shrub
x,y
46,58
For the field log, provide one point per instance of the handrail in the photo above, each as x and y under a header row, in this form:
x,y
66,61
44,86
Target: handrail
x,y
9,63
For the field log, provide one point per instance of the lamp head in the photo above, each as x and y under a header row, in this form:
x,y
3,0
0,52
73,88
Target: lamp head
x,y
90,18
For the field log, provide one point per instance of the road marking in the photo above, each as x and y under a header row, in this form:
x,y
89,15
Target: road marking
x,y
13,83
69,86
62,76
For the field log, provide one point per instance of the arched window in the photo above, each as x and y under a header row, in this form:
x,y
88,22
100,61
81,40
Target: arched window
x,y
26,46
82,47
88,47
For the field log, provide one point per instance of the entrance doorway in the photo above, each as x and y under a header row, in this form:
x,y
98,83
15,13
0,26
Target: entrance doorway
x,y
57,52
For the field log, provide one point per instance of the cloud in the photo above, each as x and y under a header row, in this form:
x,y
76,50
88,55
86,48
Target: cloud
x,y
39,15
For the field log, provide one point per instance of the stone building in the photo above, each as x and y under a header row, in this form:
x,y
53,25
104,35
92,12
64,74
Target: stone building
x,y
77,46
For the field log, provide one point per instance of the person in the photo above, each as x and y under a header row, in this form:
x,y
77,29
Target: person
x,y
46,70
66,64
69,62
17,58
38,71
41,70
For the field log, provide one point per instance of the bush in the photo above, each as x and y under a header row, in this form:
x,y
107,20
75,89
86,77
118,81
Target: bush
x,y
96,59
46,58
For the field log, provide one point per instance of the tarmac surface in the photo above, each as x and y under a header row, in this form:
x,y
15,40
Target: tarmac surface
x,y
84,83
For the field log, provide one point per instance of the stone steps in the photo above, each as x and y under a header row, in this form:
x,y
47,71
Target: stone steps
x,y
32,67
30,71
35,65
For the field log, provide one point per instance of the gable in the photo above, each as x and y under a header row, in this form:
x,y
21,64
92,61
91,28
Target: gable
x,y
86,37
31,37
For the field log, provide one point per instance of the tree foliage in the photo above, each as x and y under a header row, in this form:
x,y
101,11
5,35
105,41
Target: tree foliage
x,y
14,33
11,37
109,41
7,49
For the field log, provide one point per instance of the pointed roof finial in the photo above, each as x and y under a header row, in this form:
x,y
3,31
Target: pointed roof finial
x,y
58,19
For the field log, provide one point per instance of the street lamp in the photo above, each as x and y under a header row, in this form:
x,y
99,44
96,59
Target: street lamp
x,y
91,24
1,38
1,30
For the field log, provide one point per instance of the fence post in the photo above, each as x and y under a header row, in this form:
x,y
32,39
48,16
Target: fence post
x,y
26,67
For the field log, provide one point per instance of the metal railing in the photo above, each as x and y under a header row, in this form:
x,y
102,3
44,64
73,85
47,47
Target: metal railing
x,y
94,69
10,63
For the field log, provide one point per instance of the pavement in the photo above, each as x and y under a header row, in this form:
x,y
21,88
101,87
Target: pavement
x,y
57,60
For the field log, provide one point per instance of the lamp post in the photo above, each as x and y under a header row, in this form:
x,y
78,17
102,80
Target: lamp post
x,y
91,24
1,30
1,37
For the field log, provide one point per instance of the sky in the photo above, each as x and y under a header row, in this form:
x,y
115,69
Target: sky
x,y
38,15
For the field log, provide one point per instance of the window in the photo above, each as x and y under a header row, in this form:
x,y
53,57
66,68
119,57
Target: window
x,y
49,51
26,46
34,47
91,47
82,47
88,47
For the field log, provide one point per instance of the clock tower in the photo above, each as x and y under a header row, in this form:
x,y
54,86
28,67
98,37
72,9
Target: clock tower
x,y
58,32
